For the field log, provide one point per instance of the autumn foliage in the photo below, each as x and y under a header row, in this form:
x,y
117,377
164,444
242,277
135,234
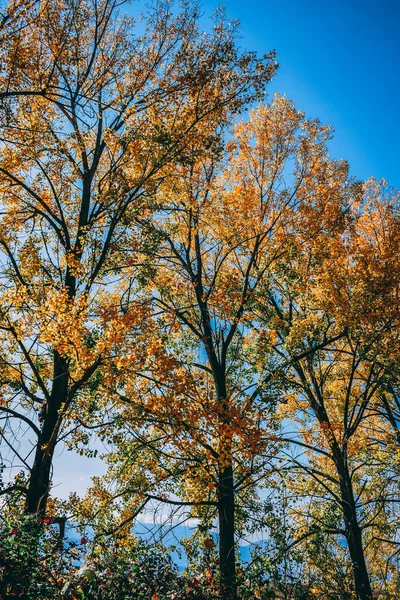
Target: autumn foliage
x,y
199,293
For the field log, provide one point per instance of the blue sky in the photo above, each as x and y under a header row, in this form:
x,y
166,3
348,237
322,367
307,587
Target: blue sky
x,y
339,62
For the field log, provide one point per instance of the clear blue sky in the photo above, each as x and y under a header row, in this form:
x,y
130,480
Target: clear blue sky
x,y
339,62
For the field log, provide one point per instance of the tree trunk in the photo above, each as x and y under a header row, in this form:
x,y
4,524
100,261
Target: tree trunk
x,y
361,577
226,516
353,533
40,477
226,490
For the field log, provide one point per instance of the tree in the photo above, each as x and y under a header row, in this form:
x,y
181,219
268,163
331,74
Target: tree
x,y
79,162
172,277
348,285
223,225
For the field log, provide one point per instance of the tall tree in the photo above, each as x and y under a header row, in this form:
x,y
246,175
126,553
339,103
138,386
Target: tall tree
x,y
78,163
345,289
223,224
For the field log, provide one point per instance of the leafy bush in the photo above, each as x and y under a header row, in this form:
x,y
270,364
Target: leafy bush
x,y
34,560
37,563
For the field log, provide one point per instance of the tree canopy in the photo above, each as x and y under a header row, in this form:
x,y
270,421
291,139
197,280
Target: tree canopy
x,y
190,281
